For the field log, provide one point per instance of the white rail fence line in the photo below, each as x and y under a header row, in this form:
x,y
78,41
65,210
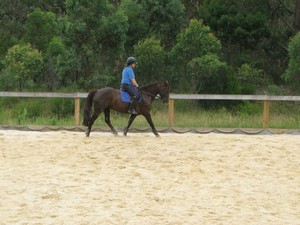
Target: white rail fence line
x,y
77,96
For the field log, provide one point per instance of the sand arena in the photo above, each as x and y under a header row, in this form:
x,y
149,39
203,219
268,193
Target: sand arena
x,y
65,178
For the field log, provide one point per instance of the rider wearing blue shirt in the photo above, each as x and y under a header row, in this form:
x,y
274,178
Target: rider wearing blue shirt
x,y
129,83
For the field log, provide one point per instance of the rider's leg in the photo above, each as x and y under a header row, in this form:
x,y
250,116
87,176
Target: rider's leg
x,y
132,105
134,93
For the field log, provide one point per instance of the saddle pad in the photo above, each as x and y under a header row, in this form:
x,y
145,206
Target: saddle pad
x,y
125,97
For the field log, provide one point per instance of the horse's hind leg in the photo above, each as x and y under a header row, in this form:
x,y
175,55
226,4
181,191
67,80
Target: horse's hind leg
x,y
107,121
91,122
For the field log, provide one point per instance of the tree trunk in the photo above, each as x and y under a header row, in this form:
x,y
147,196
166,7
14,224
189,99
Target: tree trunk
x,y
297,16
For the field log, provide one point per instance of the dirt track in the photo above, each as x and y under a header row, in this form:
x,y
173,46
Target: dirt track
x,y
65,178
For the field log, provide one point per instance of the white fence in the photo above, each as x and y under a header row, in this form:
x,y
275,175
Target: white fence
x,y
77,96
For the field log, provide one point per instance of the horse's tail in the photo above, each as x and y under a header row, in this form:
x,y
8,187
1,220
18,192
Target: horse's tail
x,y
88,107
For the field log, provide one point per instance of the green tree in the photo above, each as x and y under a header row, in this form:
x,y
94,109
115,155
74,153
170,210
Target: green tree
x,y
55,6
138,26
192,8
151,60
253,32
292,74
196,41
249,79
61,62
233,26
12,17
97,34
160,18
22,65
14,14
297,16
40,28
165,18
208,74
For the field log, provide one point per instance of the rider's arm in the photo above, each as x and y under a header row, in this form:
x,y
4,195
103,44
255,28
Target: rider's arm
x,y
134,82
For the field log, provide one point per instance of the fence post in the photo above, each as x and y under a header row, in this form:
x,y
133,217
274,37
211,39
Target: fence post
x,y
266,113
77,110
171,113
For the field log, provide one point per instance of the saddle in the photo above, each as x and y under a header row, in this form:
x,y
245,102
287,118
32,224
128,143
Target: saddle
x,y
126,98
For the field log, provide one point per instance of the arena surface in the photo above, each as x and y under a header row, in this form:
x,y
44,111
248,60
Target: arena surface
x,y
63,177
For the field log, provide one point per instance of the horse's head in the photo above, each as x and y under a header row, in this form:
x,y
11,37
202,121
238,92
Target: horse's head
x,y
164,91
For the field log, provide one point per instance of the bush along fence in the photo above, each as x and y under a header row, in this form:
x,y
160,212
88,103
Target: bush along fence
x,y
77,96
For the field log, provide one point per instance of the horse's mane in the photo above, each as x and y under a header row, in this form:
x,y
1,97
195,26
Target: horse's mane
x,y
150,86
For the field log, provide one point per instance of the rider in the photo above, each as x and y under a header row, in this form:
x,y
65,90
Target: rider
x,y
129,83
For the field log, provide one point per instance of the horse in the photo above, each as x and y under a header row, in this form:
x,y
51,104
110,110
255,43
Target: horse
x,y
109,98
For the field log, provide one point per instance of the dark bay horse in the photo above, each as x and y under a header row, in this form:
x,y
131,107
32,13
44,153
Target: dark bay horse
x,y
109,98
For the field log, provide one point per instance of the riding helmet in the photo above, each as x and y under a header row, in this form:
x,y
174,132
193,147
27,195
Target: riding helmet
x,y
131,60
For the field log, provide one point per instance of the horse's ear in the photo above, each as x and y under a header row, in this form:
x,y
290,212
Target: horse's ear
x,y
166,83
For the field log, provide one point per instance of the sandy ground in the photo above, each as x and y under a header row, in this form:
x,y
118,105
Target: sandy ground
x,y
66,178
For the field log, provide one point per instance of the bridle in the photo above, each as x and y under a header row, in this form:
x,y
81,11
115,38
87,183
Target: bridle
x,y
157,97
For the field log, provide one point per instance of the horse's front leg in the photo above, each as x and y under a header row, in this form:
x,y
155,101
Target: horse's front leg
x,y
87,132
131,119
149,119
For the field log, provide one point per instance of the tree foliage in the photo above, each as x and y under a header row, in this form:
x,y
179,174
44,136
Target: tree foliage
x,y
195,42
23,64
208,74
165,18
233,26
249,79
147,18
97,35
40,28
151,62
209,46
292,74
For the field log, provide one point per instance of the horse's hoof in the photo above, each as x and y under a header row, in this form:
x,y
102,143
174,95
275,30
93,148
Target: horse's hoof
x,y
115,134
87,133
125,131
157,135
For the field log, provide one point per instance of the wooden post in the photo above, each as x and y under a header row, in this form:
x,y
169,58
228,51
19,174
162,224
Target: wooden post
x,y
77,111
266,113
171,113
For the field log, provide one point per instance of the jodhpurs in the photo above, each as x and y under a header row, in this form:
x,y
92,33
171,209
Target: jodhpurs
x,y
131,89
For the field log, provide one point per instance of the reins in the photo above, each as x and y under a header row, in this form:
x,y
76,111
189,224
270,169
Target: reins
x,y
155,96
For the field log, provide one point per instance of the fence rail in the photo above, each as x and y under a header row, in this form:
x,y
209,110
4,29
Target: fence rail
x,y
77,96
234,97
265,98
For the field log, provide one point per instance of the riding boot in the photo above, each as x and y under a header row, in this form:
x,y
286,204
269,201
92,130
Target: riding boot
x,y
132,106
